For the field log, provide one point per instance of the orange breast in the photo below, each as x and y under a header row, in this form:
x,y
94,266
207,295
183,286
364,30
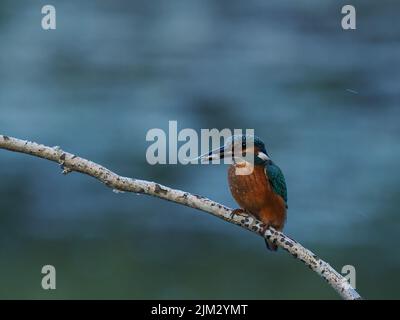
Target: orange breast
x,y
254,194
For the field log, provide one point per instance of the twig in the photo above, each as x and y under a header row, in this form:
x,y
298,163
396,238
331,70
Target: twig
x,y
70,162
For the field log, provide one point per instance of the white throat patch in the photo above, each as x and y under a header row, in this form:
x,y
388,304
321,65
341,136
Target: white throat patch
x,y
262,156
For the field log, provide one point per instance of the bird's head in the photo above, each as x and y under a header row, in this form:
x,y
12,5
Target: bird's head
x,y
240,148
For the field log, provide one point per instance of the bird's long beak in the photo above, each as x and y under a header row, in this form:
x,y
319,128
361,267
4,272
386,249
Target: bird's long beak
x,y
215,154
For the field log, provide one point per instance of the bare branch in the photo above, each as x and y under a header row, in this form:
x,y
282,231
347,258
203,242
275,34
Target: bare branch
x,y
70,162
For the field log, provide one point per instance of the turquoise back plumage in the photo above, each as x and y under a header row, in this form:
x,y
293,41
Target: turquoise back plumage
x,y
277,179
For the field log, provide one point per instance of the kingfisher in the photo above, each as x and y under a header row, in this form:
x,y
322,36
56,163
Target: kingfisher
x,y
256,183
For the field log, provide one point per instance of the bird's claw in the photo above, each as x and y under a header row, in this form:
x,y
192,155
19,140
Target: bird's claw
x,y
238,212
265,227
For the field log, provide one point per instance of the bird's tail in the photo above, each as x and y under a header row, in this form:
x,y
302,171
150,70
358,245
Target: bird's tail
x,y
271,246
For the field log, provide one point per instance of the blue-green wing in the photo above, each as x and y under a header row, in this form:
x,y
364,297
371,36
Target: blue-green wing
x,y
277,180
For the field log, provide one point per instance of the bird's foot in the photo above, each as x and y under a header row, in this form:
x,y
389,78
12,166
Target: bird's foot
x,y
239,212
265,227
271,245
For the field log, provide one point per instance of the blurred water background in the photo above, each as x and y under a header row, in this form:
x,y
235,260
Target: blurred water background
x,y
324,100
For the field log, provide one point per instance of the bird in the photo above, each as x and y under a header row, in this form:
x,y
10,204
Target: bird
x,y
256,183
